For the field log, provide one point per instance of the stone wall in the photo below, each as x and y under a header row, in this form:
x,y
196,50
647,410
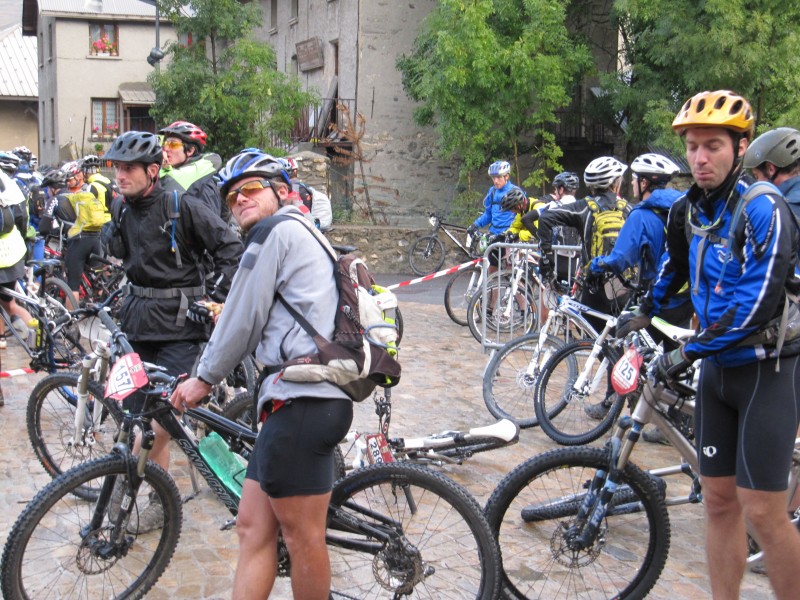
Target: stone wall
x,y
385,249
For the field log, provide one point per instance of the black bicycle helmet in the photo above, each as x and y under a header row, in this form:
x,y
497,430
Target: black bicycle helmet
x,y
567,180
55,178
136,146
513,200
90,162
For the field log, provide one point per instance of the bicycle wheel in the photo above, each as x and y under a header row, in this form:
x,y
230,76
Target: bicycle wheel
x,y
542,557
426,255
509,382
62,547
561,404
439,545
59,289
51,425
506,319
458,291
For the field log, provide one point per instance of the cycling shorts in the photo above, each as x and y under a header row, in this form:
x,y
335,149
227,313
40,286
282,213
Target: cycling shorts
x,y
746,422
176,357
293,455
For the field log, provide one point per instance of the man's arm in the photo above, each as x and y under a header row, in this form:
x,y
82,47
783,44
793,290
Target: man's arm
x,y
572,215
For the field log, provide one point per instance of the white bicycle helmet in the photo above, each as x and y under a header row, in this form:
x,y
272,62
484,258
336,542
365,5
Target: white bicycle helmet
x,y
500,167
654,164
603,171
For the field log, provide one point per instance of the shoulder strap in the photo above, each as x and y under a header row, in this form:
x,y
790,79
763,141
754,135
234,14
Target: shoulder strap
x,y
173,215
593,205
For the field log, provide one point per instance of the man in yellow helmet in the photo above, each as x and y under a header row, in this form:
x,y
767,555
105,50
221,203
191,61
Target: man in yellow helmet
x,y
736,244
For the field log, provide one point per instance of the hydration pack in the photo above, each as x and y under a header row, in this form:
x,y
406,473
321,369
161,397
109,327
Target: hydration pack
x,y
606,224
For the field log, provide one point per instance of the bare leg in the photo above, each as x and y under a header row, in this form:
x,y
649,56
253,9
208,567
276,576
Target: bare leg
x,y
303,521
159,454
726,540
257,528
777,537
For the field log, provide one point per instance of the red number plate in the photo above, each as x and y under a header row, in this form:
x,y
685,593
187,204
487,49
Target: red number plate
x,y
625,376
378,450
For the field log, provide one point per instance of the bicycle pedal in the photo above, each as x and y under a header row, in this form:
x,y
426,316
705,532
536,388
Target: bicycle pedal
x,y
228,525
188,497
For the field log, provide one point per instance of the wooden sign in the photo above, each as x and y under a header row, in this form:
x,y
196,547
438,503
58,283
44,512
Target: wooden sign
x,y
309,54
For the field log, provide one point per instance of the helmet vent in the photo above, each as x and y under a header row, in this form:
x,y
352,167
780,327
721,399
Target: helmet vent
x,y
736,108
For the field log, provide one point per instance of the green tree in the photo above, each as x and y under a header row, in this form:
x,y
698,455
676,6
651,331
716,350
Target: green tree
x,y
674,49
490,75
228,83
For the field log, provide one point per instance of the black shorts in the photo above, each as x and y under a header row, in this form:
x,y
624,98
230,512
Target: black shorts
x,y
746,421
294,450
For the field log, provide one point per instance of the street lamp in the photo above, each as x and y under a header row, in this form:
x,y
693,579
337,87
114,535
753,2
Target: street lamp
x,y
156,54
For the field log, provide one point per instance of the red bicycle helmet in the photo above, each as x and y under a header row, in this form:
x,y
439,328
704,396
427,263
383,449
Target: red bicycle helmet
x,y
188,132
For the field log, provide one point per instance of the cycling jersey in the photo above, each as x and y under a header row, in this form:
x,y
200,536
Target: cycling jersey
x,y
734,296
494,216
518,228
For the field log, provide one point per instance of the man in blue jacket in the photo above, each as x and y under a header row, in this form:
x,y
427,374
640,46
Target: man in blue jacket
x,y
740,261
493,215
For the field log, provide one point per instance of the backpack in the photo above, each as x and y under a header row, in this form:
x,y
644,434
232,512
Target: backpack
x,y
363,351
90,213
605,227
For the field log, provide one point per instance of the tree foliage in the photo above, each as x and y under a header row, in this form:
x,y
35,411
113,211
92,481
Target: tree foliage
x,y
228,84
490,75
676,48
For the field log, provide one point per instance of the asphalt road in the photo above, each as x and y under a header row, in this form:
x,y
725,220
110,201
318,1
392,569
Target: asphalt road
x,y
426,292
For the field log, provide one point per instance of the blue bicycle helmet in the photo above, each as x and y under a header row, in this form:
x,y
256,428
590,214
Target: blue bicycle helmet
x,y
251,163
500,167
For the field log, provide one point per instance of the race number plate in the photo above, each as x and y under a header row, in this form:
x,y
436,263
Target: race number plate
x,y
625,376
378,451
127,375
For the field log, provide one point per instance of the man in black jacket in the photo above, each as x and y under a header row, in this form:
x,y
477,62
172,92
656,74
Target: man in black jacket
x,y
160,237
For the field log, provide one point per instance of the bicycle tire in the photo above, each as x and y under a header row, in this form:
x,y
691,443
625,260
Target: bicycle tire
x,y
244,375
426,255
458,292
446,548
509,390
522,322
242,410
561,410
627,556
50,420
38,562
59,289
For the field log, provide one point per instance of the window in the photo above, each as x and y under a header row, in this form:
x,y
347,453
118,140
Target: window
x,y
105,121
50,42
52,119
103,39
273,14
185,39
293,14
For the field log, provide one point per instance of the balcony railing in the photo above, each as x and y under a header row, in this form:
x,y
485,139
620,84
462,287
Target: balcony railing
x,y
325,123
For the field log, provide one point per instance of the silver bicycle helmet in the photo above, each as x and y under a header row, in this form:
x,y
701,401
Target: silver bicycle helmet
x,y
136,147
603,171
780,146
500,167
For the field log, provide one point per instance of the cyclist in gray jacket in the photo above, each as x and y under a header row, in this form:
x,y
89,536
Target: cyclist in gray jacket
x,y
290,474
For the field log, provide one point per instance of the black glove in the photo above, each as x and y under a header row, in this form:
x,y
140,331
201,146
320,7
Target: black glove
x,y
510,238
472,229
671,364
198,313
631,321
546,267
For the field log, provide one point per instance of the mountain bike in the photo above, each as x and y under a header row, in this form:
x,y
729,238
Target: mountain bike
x,y
427,253
508,306
588,518
393,529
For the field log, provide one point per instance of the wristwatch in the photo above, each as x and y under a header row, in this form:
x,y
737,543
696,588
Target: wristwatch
x,y
204,381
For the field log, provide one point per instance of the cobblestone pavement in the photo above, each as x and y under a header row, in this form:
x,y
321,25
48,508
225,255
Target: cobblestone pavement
x,y
440,389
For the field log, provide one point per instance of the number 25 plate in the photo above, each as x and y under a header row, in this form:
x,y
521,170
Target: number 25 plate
x,y
378,450
625,376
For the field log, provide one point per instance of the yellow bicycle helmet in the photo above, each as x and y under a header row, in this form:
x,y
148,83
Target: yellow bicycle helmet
x,y
716,109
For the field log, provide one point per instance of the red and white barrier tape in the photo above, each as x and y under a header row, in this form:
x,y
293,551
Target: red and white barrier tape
x,y
449,271
16,372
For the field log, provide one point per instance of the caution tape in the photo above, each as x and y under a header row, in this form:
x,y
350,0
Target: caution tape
x,y
449,271
16,372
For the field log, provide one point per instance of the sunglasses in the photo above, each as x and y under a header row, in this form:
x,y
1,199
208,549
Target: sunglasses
x,y
249,189
174,144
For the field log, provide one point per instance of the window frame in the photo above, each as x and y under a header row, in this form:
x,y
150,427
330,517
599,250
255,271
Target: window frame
x,y
105,123
96,31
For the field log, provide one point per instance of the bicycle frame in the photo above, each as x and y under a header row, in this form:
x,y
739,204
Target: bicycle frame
x,y
438,225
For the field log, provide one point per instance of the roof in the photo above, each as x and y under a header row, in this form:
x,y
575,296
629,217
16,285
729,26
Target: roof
x,y
89,9
18,69
136,92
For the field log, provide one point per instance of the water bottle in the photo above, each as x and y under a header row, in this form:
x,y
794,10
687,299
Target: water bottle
x,y
33,333
229,467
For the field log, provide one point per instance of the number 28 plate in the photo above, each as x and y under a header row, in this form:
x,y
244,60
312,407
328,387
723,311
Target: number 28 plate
x,y
378,450
625,376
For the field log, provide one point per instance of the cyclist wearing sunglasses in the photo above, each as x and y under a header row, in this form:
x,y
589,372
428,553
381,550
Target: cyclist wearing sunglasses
x,y
187,168
288,485
161,250
737,248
